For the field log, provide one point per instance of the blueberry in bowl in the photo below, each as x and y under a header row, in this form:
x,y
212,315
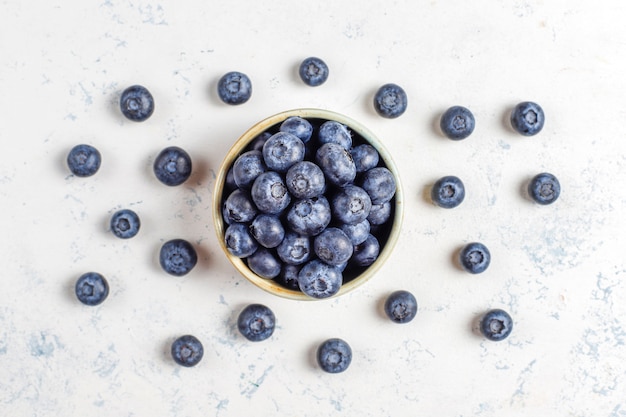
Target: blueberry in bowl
x,y
307,204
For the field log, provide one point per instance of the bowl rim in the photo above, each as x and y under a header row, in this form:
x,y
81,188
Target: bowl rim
x,y
243,141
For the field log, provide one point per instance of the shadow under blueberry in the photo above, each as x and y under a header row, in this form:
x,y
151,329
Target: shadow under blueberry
x,y
523,188
474,324
435,124
505,119
455,257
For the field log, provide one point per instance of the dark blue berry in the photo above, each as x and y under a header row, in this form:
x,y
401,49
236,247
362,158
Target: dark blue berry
x,y
288,277
305,180
247,167
335,132
401,306
365,157
351,205
125,224
496,325
299,127
239,241
187,351
367,252
267,230
258,142
390,101
334,355
319,280
282,150
84,160
379,184
336,163
457,123
527,118
313,71
136,103
269,193
264,263
309,216
448,192
177,257
234,88
256,322
91,288
239,208
475,257
379,214
357,233
172,166
295,249
544,188
333,246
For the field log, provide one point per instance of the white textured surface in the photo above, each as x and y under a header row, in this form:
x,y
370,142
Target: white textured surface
x,y
559,270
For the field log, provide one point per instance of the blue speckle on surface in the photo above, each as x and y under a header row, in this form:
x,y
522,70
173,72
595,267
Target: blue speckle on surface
x,y
43,344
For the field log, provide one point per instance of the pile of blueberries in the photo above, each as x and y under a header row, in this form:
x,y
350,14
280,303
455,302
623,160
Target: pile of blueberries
x,y
309,204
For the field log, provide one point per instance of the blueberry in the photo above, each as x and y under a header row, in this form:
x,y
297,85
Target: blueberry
x,y
305,180
313,71
239,241
335,132
401,306
234,88
299,127
269,193
475,257
367,252
239,208
282,150
288,277
295,249
351,205
379,214
264,263
379,184
177,257
334,355
357,233
267,230
136,103
91,288
544,188
333,246
172,166
84,160
256,322
187,350
390,101
247,167
457,123
258,142
448,192
125,224
496,325
309,216
336,163
319,280
365,157
527,118
229,181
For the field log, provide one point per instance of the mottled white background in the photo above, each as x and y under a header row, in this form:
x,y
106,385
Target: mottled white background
x,y
559,270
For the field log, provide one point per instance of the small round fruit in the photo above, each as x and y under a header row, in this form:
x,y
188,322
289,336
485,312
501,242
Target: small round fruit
x,y
256,322
527,118
319,280
177,257
313,71
475,257
172,166
334,355
234,88
84,160
401,306
125,224
448,192
457,123
390,101
544,188
91,288
496,325
136,103
187,351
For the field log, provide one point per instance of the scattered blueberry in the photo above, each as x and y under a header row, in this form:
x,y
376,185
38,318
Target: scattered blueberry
x,y
269,193
334,355
366,253
268,230
172,166
313,71
239,207
239,241
475,257
247,167
357,233
365,157
264,263
527,118
305,180
298,127
457,123
91,288
333,246
319,280
309,216
295,249
234,88
187,350
84,160
379,214
136,103
448,192
125,224
496,325
351,205
401,306
379,184
256,322
177,257
390,101
336,163
334,132
282,150
544,188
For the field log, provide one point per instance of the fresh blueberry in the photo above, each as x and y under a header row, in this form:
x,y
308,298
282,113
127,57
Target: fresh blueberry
x,y
336,163
319,280
267,230
256,322
544,188
357,233
333,246
475,257
367,252
239,208
334,355
305,180
295,249
177,257
187,350
401,306
91,288
309,216
351,205
288,277
84,160
379,214
365,157
527,118
239,241
496,325
269,193
229,182
264,263
172,166
282,150
379,184
457,123
299,127
390,101
335,132
136,103
234,88
258,142
125,224
247,167
448,192
313,71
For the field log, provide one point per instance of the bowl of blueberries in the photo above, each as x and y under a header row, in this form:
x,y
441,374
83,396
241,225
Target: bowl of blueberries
x,y
308,204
